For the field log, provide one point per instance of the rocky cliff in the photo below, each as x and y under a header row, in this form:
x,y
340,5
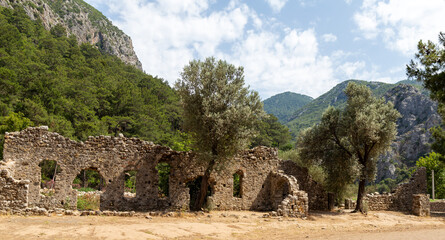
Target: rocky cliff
x,y
83,21
419,114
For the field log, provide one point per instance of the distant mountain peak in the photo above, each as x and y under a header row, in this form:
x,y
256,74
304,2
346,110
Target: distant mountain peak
x,y
283,105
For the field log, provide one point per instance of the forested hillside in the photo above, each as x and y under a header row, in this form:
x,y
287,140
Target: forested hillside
x,y
49,79
83,21
311,113
283,105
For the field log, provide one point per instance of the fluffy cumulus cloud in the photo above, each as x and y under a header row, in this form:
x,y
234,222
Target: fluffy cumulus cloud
x,y
401,23
276,5
289,63
168,34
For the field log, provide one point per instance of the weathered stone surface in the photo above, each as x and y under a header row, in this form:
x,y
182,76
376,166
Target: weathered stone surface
x,y
438,206
264,186
13,193
318,197
402,198
421,205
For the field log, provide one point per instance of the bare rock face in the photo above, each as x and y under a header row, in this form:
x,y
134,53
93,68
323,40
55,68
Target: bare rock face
x,y
419,114
84,22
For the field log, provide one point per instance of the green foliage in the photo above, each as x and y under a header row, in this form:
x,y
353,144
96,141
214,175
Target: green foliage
x,y
130,181
347,142
429,68
164,176
284,105
76,90
218,110
315,170
272,134
89,179
48,170
86,189
237,178
312,112
434,161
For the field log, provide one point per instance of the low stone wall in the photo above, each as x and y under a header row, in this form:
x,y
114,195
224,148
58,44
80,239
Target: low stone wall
x,y
378,202
13,193
438,206
402,198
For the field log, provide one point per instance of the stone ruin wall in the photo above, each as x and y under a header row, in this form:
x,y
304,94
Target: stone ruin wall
x,y
438,206
13,193
402,197
263,180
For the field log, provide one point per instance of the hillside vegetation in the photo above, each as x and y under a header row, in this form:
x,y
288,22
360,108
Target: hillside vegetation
x,y
75,89
283,105
310,114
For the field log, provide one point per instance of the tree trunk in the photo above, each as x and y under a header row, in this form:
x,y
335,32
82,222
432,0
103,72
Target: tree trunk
x,y
361,193
331,201
199,203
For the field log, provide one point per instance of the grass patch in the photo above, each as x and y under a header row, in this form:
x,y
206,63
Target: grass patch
x,y
88,202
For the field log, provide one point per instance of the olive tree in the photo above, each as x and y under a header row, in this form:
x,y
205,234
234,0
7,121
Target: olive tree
x,y
347,142
218,111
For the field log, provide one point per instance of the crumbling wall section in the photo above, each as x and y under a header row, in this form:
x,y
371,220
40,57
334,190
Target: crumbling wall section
x,y
13,193
286,197
318,197
402,198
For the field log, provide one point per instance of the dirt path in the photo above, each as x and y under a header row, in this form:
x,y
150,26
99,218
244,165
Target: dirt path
x,y
226,225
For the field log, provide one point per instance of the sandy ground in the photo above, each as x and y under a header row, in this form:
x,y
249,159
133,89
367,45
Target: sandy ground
x,y
227,225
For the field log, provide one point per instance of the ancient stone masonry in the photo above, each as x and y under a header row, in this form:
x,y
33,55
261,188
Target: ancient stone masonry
x,y
438,206
318,197
421,205
263,183
13,193
402,198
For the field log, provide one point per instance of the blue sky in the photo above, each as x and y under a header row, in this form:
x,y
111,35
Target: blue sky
x,y
303,46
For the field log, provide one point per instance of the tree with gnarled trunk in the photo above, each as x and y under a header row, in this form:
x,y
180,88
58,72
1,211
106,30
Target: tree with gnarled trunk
x,y
347,142
219,112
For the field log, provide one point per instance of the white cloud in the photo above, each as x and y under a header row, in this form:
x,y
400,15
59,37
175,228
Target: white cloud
x,y
276,5
401,23
273,64
329,37
275,58
168,34
348,1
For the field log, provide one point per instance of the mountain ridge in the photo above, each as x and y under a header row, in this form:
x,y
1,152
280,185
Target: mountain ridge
x,y
282,105
83,21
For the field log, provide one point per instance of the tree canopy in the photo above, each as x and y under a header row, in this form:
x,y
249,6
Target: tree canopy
x,y
76,90
218,111
347,142
429,68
